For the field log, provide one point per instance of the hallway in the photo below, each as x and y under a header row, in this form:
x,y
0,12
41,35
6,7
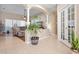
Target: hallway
x,y
12,45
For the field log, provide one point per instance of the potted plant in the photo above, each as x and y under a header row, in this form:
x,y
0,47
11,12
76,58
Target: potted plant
x,y
75,42
33,28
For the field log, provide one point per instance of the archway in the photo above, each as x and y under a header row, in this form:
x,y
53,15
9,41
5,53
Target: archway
x,y
29,8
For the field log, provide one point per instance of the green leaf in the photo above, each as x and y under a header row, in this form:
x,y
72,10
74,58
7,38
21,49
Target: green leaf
x,y
75,41
33,28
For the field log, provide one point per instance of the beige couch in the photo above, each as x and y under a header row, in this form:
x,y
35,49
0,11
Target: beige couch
x,y
18,32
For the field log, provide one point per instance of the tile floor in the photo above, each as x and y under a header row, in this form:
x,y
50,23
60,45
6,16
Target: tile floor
x,y
14,45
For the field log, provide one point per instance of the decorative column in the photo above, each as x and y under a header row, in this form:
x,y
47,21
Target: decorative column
x,y
27,35
28,17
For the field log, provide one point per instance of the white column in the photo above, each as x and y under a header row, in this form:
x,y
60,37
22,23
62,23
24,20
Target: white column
x,y
28,20
27,35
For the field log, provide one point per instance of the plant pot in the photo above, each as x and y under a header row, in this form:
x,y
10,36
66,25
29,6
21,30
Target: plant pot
x,y
75,52
78,50
34,40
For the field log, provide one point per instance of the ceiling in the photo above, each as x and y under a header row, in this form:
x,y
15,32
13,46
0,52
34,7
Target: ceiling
x,y
19,8
49,7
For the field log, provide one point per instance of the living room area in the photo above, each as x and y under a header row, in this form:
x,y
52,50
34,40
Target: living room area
x,y
15,21
11,23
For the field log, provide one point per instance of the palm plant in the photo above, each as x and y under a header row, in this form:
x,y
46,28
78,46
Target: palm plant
x,y
75,42
33,29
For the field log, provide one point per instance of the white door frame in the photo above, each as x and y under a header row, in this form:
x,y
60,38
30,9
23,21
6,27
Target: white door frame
x,y
65,9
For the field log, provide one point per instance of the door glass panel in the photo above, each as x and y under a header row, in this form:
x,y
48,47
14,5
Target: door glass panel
x,y
70,22
62,25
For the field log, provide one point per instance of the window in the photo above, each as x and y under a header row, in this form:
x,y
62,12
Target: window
x,y
9,23
19,23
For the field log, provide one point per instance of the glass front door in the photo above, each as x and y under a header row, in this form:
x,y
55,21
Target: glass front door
x,y
62,26
71,22
67,23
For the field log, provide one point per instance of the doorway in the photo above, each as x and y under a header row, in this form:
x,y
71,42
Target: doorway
x,y
67,24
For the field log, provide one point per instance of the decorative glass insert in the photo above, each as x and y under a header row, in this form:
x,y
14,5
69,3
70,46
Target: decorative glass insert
x,y
71,24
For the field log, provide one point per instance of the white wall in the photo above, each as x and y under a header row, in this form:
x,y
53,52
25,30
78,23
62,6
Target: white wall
x,y
53,22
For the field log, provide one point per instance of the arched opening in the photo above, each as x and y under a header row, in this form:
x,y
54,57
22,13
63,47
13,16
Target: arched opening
x,y
37,14
35,8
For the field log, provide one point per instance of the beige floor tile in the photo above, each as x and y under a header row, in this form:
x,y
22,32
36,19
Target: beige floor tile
x,y
15,45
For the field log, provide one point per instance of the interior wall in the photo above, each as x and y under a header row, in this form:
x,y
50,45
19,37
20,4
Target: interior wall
x,y
52,17
12,16
77,19
1,24
53,22
0,14
5,15
61,6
